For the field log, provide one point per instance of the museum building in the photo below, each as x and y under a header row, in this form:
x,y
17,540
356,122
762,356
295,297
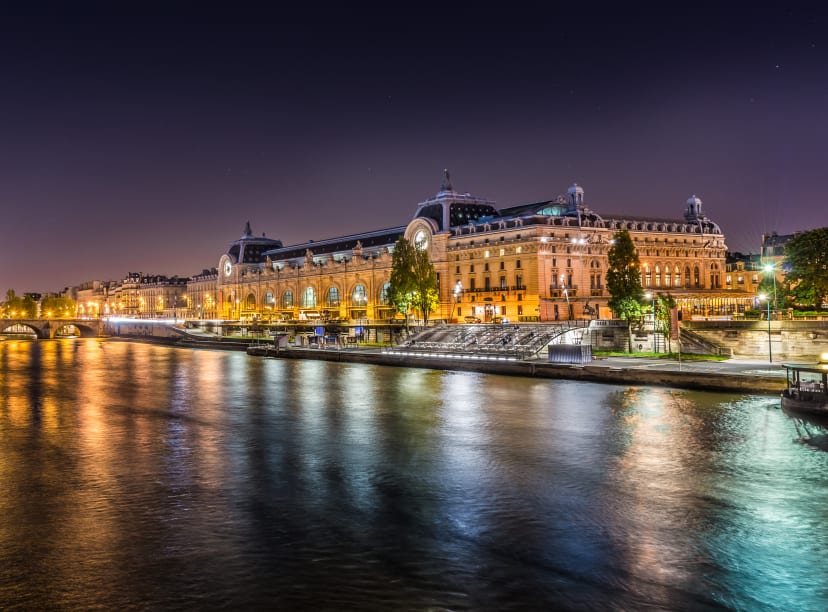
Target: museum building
x,y
544,261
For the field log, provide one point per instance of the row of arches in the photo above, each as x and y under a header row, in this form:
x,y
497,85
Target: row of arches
x,y
309,298
672,275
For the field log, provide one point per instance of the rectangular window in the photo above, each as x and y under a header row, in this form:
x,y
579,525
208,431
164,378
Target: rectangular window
x,y
519,250
518,280
471,284
502,282
457,270
488,283
517,264
485,253
471,268
502,265
520,310
502,252
503,310
486,267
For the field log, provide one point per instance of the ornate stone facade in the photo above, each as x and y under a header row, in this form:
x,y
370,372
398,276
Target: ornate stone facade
x,y
544,261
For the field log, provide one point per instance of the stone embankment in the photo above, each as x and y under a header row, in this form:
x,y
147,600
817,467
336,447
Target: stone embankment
x,y
692,376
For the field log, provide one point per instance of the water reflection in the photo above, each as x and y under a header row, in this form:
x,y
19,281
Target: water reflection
x,y
142,475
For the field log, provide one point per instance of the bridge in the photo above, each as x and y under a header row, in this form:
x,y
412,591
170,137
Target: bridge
x,y
49,328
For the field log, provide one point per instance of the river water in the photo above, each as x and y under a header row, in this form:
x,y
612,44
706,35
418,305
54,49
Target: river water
x,y
146,477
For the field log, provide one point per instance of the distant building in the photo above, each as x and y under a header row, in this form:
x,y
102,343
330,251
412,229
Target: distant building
x,y
152,296
543,261
202,302
743,272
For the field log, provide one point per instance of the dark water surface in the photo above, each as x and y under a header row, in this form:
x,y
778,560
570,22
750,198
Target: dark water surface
x,y
145,477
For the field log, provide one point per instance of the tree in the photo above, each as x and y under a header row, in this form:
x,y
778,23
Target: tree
x,y
57,306
413,282
624,280
663,323
806,259
19,307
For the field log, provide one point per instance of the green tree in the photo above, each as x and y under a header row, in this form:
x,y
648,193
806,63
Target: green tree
x,y
28,307
624,281
665,303
413,282
18,307
806,258
57,307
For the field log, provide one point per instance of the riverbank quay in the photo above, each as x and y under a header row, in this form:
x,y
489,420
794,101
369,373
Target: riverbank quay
x,y
733,375
740,375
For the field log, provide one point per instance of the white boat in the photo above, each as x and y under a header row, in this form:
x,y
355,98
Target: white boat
x,y
806,390
263,349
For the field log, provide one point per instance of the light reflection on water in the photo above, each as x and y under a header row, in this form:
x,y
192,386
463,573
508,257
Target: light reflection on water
x,y
143,476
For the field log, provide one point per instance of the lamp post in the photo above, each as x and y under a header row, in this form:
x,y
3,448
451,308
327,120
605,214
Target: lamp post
x,y
762,296
770,268
651,297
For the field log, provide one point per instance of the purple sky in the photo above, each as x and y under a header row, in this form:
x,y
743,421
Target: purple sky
x,y
143,141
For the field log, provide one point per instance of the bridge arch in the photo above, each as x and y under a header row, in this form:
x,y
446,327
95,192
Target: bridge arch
x,y
48,328
84,330
18,327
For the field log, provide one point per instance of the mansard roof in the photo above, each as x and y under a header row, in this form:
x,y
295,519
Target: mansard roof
x,y
366,240
250,248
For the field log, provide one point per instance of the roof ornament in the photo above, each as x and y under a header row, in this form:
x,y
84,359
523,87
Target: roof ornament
x,y
446,184
248,233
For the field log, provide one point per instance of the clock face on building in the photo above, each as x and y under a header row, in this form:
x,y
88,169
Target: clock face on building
x,y
421,240
227,268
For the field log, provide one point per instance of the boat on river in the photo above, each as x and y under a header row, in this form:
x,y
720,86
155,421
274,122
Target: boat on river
x,y
806,390
263,349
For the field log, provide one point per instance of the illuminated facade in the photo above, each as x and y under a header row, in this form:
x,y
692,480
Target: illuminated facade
x,y
152,296
544,261
202,300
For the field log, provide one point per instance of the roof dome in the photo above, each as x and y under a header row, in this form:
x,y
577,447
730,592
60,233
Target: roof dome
x,y
693,200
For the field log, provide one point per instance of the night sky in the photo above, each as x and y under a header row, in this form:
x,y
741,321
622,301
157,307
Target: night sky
x,y
142,138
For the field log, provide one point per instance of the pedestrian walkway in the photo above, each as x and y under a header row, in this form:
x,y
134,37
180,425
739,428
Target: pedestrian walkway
x,y
734,366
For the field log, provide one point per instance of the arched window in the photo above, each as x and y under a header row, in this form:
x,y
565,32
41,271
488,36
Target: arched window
x,y
648,276
309,298
668,279
332,298
658,276
251,301
359,297
687,276
696,277
287,299
677,276
384,298
268,299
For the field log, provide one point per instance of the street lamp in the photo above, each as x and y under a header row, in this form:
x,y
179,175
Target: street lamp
x,y
651,297
770,268
762,296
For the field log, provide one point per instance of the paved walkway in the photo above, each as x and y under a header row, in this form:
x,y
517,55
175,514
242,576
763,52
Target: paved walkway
x,y
740,366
